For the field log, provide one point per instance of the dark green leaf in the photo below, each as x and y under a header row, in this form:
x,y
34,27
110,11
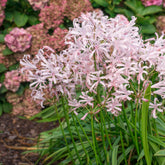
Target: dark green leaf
x,y
20,19
2,36
2,68
116,2
103,3
7,51
7,107
150,19
160,153
114,155
2,98
9,16
135,5
21,90
14,66
126,12
6,31
3,89
148,29
151,10
109,12
2,77
33,20
1,109
156,148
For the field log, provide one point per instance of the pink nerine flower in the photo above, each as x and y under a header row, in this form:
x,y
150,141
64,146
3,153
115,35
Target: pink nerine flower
x,y
38,4
18,40
104,57
155,106
152,2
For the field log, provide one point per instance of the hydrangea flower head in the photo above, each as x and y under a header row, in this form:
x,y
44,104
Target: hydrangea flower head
x,y
38,4
2,13
152,2
12,80
18,40
160,24
52,15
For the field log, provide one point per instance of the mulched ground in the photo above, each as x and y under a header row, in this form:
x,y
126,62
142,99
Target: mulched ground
x,y
16,135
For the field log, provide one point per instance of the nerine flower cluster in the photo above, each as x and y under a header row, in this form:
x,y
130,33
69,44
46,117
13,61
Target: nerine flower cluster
x,y
104,56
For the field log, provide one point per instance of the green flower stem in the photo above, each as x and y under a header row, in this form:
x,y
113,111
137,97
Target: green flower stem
x,y
88,157
128,125
94,57
102,126
94,141
59,120
106,132
70,132
136,138
123,149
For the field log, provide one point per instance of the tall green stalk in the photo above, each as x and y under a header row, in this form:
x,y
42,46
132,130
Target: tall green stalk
x,y
128,125
106,132
123,149
144,124
61,127
136,138
70,132
94,141
87,155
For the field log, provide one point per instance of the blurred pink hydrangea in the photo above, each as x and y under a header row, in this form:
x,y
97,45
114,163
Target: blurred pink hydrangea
x,y
18,40
160,24
2,16
23,105
40,37
3,3
57,40
38,4
76,7
2,13
122,18
12,80
38,33
152,2
52,15
6,60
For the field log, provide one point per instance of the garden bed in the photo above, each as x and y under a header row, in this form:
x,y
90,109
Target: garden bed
x,y
16,136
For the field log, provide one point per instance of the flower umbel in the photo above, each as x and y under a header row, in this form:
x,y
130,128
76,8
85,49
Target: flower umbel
x,y
104,57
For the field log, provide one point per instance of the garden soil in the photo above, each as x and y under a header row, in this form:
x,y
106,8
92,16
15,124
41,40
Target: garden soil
x,y
16,136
